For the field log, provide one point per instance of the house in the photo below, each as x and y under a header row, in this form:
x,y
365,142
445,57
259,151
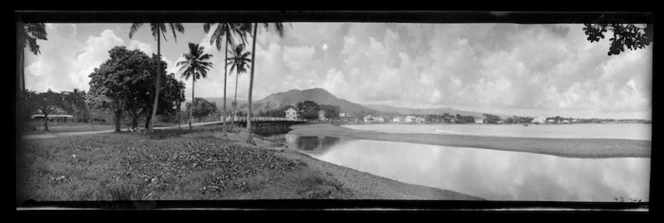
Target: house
x,y
539,120
479,120
410,119
53,117
344,115
291,114
419,120
321,115
371,118
397,119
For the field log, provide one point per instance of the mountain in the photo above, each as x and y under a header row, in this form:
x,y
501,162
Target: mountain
x,y
292,97
425,111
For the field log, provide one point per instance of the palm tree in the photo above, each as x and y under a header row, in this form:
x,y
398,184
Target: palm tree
x,y
226,30
280,30
158,30
27,35
196,66
240,59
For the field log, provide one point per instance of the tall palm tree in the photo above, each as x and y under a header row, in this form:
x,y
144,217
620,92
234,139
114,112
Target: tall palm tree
x,y
196,66
280,30
226,30
27,35
240,59
158,30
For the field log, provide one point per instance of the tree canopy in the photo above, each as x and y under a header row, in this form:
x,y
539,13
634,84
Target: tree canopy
x,y
202,108
307,110
631,36
125,83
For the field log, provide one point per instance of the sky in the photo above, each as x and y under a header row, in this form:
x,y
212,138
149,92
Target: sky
x,y
530,70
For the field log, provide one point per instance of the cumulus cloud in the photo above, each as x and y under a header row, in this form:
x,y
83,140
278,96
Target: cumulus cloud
x,y
498,68
66,62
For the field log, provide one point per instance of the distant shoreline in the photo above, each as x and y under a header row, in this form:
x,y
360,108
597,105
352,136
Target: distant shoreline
x,y
565,147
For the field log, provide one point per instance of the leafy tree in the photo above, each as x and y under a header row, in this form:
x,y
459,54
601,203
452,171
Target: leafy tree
x,y
172,92
227,30
47,102
116,84
308,110
158,30
74,104
331,111
29,105
202,108
280,30
239,59
631,36
492,119
195,66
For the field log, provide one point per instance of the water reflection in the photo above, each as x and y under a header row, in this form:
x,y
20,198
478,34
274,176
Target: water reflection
x,y
312,144
491,174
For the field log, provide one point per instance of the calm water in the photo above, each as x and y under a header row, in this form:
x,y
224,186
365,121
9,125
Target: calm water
x,y
614,131
490,174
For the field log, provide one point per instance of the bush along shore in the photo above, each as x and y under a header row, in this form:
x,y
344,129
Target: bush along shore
x,y
201,164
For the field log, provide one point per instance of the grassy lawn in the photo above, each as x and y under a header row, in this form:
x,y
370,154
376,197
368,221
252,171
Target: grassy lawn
x,y
168,165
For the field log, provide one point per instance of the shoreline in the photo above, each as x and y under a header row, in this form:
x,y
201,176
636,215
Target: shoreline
x,y
565,147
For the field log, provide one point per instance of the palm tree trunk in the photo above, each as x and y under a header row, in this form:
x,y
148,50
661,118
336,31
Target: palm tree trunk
x,y
46,121
225,75
20,104
237,75
156,88
251,84
193,82
22,69
179,114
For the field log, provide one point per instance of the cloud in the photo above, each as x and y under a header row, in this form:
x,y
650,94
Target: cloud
x,y
495,68
66,62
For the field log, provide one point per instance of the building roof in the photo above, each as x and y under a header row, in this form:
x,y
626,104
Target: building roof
x,y
291,110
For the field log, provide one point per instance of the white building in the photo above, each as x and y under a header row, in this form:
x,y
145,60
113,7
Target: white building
x,y
410,119
321,115
291,114
539,120
479,120
396,119
419,120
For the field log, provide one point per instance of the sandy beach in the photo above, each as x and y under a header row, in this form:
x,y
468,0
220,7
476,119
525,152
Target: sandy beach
x,y
577,148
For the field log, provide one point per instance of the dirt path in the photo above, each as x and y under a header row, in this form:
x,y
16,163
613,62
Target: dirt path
x,y
67,134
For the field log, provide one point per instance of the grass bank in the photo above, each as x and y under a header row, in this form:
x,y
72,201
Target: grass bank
x,y
577,148
201,164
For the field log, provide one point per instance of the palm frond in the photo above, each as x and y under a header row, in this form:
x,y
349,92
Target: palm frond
x,y
34,48
163,30
134,28
206,27
36,30
176,27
